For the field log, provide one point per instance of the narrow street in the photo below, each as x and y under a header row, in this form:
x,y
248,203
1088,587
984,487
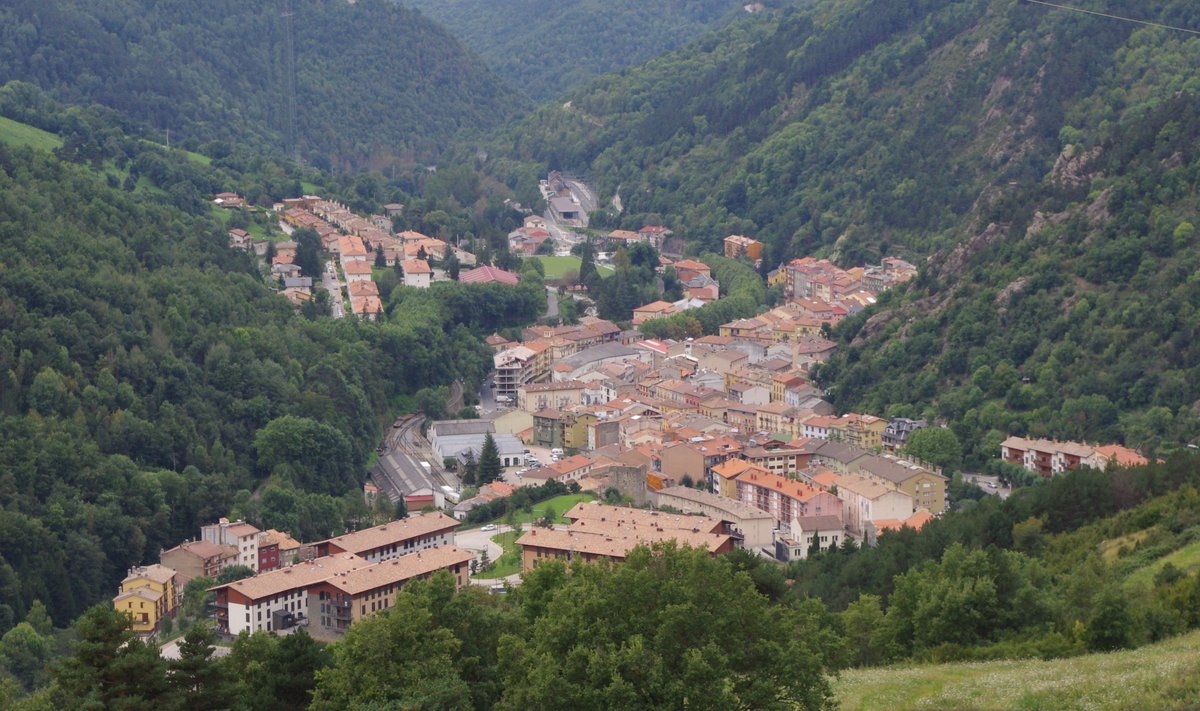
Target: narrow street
x,y
487,399
332,285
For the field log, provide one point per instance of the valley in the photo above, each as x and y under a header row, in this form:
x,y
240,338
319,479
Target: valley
x,y
797,354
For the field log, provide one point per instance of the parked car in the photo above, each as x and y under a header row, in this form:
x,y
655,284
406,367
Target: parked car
x,y
489,527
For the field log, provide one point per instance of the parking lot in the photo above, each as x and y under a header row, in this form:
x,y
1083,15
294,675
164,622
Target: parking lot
x,y
541,455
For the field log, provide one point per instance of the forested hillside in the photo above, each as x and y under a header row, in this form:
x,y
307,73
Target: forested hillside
x,y
859,128
547,48
151,382
374,81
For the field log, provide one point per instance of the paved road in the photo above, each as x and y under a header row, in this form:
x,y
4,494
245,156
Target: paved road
x,y
331,284
477,540
487,400
551,303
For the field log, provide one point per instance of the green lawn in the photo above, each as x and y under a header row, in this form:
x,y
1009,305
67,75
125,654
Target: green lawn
x,y
560,504
1160,676
557,267
14,133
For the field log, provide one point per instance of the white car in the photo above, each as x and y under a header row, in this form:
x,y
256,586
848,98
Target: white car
x,y
489,527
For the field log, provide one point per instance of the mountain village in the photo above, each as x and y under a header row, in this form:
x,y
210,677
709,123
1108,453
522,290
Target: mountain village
x,y
718,442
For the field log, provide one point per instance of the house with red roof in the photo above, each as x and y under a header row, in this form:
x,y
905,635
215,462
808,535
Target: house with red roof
x,y
488,275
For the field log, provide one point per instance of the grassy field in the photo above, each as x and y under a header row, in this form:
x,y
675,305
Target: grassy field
x,y
557,267
1186,559
1161,676
19,134
560,504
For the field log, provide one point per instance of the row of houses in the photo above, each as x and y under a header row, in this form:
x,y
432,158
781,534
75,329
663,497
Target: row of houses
x,y
149,594
1049,457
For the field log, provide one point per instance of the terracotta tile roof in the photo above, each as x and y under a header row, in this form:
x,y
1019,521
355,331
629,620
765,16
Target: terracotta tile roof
x,y
364,288
1121,455
417,266
200,549
393,532
594,513
488,275
790,488
734,468
357,268
158,573
398,570
616,541
297,576
142,593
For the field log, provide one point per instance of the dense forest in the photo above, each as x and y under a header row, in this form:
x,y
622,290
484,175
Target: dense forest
x,y
547,48
374,82
1051,179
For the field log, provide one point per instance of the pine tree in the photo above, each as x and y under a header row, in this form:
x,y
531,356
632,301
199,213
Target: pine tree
x,y
200,681
110,667
490,468
587,265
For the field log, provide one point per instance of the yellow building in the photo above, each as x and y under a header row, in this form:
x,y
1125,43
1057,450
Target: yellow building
x,y
738,246
575,430
147,596
727,473
865,431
